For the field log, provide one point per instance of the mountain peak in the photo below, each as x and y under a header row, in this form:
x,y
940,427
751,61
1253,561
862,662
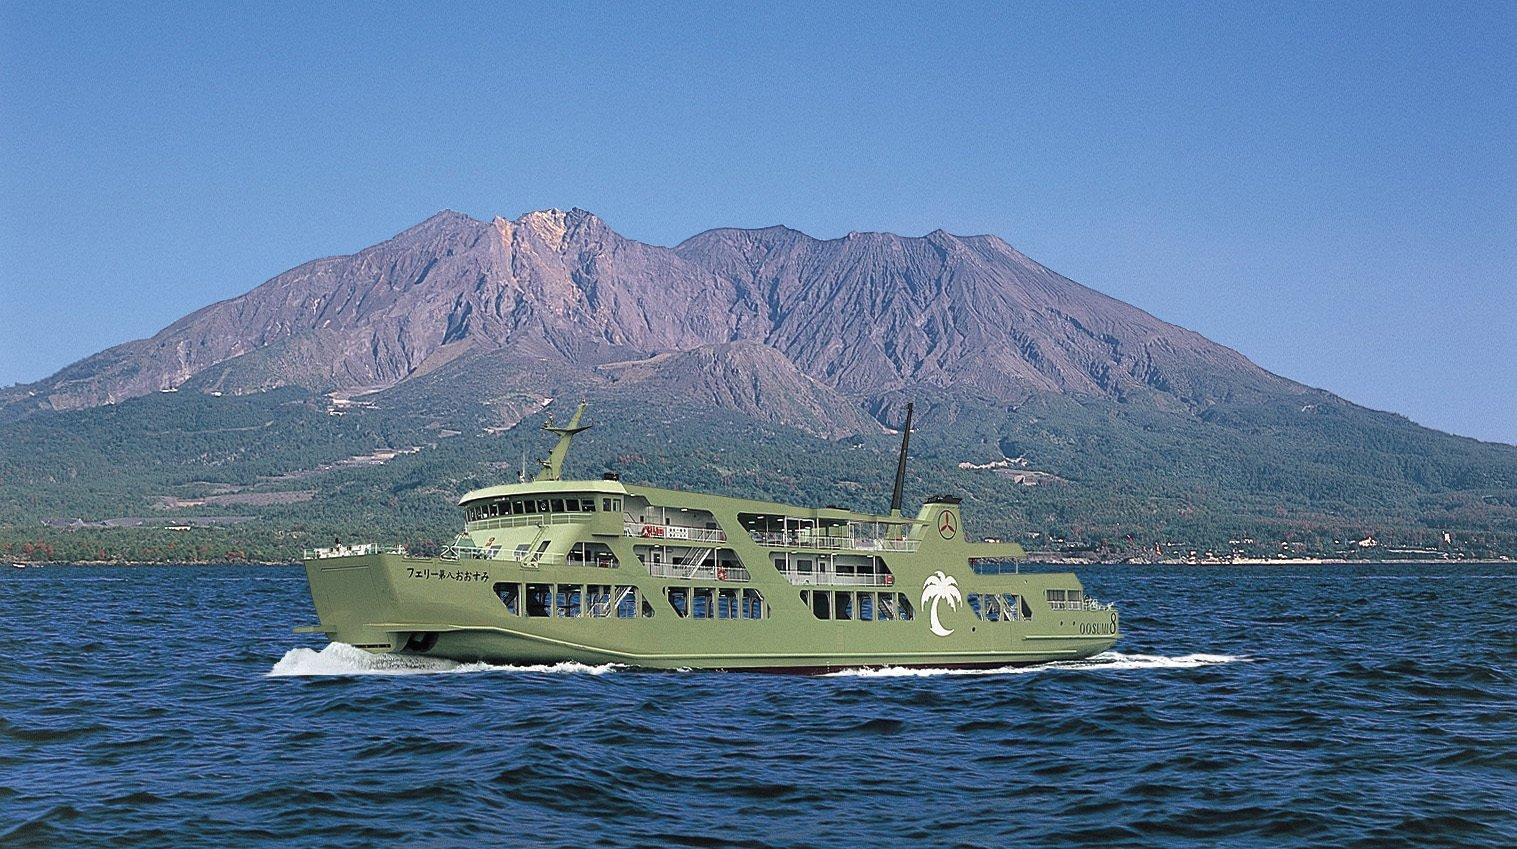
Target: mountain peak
x,y
867,315
446,220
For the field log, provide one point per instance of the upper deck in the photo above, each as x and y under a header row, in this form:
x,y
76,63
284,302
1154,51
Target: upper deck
x,y
669,499
612,508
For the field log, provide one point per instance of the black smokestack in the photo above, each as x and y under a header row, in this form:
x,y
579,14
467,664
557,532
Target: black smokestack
x,y
900,465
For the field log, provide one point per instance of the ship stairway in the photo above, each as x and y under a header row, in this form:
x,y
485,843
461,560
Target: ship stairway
x,y
693,560
535,549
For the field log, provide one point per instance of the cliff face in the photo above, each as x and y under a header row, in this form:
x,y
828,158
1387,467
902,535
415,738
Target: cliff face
x,y
771,323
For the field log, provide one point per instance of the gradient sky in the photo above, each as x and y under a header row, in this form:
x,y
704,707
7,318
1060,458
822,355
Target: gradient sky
x,y
1330,188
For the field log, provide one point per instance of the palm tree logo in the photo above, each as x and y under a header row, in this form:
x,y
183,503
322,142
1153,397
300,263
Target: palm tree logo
x,y
939,587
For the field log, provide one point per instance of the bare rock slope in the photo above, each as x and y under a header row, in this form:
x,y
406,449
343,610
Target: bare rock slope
x,y
770,323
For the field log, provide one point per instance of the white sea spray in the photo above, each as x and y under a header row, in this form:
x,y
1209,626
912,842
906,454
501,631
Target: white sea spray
x,y
343,659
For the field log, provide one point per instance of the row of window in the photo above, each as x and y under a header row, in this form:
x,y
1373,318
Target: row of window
x,y
848,568
623,601
999,607
571,601
1066,599
862,606
712,603
525,506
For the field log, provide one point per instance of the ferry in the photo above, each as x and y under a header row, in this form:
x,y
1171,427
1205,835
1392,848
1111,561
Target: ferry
x,y
614,572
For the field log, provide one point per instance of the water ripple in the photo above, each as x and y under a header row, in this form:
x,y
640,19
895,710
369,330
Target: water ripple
x,y
1369,706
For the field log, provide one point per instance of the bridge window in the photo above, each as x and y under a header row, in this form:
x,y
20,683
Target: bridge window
x,y
510,596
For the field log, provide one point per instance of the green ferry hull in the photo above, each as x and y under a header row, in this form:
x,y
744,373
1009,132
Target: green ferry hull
x,y
389,603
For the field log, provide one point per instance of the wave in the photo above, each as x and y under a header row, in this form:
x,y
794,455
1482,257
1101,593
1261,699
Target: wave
x,y
343,659
1108,660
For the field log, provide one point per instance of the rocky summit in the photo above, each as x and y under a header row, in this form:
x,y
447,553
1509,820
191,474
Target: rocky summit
x,y
769,321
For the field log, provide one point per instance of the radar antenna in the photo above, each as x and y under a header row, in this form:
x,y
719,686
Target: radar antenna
x,y
554,465
900,465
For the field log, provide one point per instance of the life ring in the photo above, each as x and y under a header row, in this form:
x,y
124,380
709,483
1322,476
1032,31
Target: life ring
x,y
721,573
889,580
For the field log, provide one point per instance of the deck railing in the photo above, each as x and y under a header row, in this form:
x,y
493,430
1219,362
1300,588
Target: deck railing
x,y
527,520
799,540
648,530
499,552
799,578
704,572
351,551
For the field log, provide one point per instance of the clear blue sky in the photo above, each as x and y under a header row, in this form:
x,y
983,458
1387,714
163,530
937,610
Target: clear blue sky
x,y
1330,188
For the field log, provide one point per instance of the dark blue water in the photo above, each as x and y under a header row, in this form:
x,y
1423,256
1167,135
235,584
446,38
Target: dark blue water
x,y
1306,706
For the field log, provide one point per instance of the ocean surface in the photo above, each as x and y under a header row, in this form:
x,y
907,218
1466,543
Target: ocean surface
x,y
1245,706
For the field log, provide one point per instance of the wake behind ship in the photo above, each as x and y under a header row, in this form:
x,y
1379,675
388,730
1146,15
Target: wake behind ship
x,y
602,571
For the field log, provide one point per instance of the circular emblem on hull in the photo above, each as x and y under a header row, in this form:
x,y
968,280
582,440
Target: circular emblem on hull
x,y
948,524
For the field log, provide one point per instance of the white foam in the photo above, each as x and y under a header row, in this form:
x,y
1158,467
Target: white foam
x,y
1108,660
343,659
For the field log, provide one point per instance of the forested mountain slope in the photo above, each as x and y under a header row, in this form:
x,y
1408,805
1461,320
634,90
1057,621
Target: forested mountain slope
x,y
363,392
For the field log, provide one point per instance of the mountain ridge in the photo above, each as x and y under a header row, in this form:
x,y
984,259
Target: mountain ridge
x,y
870,315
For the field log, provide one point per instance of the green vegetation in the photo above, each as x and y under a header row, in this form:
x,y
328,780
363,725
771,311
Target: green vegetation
x,y
1119,479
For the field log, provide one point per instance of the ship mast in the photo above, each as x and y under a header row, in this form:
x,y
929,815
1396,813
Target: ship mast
x,y
554,465
900,465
